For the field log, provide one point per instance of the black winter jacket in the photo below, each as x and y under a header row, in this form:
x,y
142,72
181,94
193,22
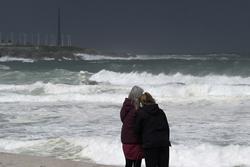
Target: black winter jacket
x,y
152,126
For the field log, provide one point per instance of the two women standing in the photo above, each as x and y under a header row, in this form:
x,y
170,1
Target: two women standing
x,y
149,126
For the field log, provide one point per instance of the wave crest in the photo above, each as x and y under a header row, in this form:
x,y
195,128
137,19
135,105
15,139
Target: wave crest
x,y
144,78
110,86
7,59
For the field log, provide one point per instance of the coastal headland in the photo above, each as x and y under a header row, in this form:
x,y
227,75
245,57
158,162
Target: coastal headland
x,y
55,52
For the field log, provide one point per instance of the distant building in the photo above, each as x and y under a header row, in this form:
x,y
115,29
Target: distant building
x,y
6,43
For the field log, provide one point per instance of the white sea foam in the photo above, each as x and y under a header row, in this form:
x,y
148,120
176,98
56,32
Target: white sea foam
x,y
137,57
15,145
207,155
48,92
179,85
167,57
48,58
66,58
144,78
112,86
8,58
108,151
107,98
4,67
101,150
89,57
84,56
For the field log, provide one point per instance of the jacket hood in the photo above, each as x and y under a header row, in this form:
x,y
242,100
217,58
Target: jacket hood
x,y
128,104
127,101
151,109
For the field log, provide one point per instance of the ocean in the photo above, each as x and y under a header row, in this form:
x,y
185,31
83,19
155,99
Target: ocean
x,y
70,109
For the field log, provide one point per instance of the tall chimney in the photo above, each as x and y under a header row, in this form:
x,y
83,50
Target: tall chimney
x,y
59,36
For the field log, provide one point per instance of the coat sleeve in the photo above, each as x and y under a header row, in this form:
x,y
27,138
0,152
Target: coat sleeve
x,y
166,120
124,110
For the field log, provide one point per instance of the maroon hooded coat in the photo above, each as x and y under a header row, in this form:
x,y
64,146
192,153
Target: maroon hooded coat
x,y
131,142
128,114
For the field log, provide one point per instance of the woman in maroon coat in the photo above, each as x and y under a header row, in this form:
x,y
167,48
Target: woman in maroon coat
x,y
131,143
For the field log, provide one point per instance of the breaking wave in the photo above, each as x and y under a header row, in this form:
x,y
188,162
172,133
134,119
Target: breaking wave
x,y
109,86
7,59
158,57
4,67
179,85
145,78
108,151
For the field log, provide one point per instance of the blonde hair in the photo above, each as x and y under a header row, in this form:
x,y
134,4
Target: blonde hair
x,y
134,95
146,99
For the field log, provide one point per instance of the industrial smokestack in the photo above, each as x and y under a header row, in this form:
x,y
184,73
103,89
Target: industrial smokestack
x,y
59,35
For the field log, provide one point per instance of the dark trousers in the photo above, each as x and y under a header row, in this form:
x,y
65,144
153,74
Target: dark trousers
x,y
133,163
157,157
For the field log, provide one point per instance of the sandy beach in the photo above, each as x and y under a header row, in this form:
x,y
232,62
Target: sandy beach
x,y
17,160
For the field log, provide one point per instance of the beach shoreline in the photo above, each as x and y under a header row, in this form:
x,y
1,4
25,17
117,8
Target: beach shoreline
x,y
20,160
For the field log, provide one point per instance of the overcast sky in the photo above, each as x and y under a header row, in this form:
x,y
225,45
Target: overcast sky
x,y
137,26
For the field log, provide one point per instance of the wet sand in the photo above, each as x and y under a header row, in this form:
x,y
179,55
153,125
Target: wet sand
x,y
17,160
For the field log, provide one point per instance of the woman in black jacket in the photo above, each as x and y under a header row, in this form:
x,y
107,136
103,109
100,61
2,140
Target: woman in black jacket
x,y
152,126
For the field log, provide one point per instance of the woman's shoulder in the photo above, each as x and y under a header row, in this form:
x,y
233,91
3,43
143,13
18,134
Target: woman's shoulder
x,y
140,113
162,112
